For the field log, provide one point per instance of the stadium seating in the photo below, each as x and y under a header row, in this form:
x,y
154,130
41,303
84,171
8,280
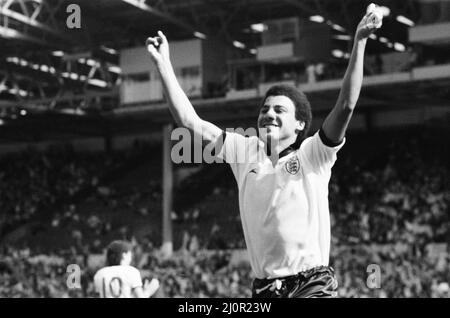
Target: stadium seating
x,y
389,201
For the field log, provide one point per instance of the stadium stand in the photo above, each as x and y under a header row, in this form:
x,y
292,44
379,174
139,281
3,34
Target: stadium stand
x,y
390,209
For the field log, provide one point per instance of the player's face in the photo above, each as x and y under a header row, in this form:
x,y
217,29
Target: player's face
x,y
277,119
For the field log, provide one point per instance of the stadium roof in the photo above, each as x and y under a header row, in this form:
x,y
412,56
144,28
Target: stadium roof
x,y
124,23
36,40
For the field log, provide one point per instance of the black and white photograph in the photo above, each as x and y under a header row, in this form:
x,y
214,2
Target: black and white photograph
x,y
240,150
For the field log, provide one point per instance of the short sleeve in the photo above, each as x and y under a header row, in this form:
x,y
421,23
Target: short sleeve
x,y
319,153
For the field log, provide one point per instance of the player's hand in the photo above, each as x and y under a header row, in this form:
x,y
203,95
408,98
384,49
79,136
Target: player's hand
x,y
372,21
151,286
158,47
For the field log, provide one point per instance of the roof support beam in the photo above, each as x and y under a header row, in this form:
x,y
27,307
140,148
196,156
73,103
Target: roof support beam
x,y
31,21
164,15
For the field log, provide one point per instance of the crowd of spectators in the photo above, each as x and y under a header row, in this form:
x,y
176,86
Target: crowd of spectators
x,y
389,202
405,199
33,181
212,274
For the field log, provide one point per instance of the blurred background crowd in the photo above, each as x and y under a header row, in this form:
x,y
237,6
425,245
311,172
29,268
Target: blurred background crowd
x,y
389,203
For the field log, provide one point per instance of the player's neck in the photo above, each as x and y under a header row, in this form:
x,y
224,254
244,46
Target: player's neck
x,y
274,149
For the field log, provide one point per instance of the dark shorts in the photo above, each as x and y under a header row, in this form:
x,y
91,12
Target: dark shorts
x,y
319,282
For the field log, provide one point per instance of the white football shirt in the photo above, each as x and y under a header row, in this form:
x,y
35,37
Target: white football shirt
x,y
284,208
117,281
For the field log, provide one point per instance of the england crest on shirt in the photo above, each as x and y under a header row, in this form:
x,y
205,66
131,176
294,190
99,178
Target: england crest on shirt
x,y
293,165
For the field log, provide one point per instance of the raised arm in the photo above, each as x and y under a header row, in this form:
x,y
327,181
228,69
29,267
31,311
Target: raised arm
x,y
179,104
336,123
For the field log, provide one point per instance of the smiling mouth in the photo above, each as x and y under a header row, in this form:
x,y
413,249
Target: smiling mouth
x,y
269,125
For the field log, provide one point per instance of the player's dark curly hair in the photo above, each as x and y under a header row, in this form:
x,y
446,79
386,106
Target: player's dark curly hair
x,y
302,106
115,251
